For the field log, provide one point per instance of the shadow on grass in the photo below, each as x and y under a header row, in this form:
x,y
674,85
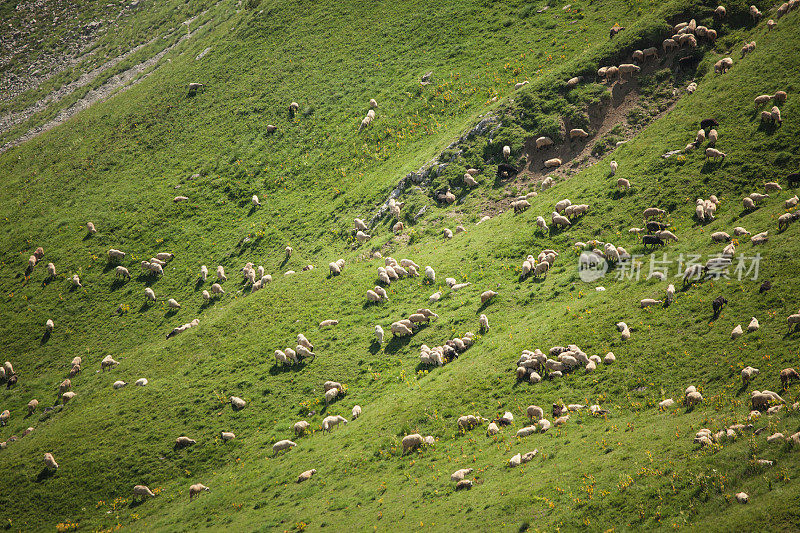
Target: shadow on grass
x,y
45,338
45,474
397,343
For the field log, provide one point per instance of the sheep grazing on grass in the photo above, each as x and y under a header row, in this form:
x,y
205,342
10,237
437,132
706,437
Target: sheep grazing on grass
x,y
4,417
760,238
487,295
221,273
49,325
356,411
107,362
506,152
184,442
742,497
32,405
283,445
776,115
723,65
172,303
753,325
326,323
484,323
141,382
50,462
737,332
67,396
786,375
666,404
412,442
331,395
142,491
771,24
237,403
577,133
715,154
553,163
647,302
330,422
543,142
305,476
780,97
458,475
196,489
118,385
300,428
179,199
227,435
748,373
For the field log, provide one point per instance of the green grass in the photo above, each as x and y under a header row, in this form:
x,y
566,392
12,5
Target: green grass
x,y
118,164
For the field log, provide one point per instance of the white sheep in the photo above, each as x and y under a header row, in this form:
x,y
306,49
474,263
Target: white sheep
x,y
173,304
506,152
356,411
141,382
122,272
329,422
237,403
49,325
196,489
577,133
748,373
553,163
118,385
484,323
300,428
50,462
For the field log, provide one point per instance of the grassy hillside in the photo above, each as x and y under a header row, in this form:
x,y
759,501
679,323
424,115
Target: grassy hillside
x,y
120,163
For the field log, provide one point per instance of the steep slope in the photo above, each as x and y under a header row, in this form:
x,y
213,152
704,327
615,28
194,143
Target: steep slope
x,y
119,164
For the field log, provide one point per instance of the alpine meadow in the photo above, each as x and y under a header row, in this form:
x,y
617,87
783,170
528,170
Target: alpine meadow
x,y
399,266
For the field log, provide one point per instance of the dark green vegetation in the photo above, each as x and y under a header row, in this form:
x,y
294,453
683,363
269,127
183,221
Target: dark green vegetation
x,y
118,164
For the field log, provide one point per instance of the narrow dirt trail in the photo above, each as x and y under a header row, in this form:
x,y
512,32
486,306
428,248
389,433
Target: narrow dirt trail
x,y
117,84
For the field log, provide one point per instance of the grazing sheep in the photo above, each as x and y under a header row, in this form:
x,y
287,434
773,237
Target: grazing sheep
x,y
753,325
776,115
173,304
356,411
487,295
143,491
118,385
237,403
90,228
723,65
771,24
552,163
458,475
742,497
107,362
149,294
305,476
647,302
737,332
221,273
484,323
300,428
178,199
506,152
4,417
713,153
254,200
283,445
227,435
780,97
748,373
49,325
412,442
141,382
543,142
32,405
184,442
666,404
49,462
67,396
196,489
577,133
760,238
329,422
786,375
764,98
720,12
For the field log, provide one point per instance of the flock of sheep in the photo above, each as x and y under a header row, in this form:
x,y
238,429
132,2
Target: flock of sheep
x,y
532,366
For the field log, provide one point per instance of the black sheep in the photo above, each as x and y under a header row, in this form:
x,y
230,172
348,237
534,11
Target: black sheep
x,y
652,240
718,303
708,123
